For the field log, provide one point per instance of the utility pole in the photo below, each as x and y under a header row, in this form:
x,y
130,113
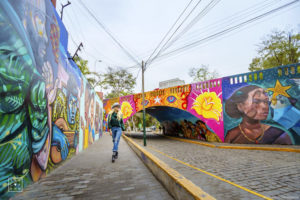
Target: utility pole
x,y
143,102
62,9
78,49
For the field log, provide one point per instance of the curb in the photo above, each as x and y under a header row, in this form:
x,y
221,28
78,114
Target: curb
x,y
176,184
235,147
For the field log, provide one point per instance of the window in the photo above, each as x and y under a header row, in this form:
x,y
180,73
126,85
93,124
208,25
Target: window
x,y
293,70
250,78
286,71
261,76
280,72
231,81
255,76
240,79
235,80
218,83
298,69
245,78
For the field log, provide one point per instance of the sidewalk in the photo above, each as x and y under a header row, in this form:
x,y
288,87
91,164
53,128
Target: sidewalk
x,y
91,175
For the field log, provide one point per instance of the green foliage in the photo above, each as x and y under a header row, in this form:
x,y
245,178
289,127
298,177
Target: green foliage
x,y
150,121
93,78
119,81
202,73
278,48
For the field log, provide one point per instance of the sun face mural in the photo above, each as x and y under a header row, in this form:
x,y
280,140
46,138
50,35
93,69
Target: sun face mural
x,y
126,109
208,105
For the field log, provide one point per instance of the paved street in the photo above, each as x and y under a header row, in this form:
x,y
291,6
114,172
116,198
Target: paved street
x,y
91,175
269,173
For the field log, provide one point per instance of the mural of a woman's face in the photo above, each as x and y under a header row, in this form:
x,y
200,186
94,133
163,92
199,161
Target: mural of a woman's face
x,y
256,106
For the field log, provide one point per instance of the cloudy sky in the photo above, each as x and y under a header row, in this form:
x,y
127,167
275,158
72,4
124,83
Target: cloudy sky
x,y
140,25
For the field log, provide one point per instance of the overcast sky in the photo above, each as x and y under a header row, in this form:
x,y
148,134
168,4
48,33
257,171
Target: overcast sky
x,y
140,25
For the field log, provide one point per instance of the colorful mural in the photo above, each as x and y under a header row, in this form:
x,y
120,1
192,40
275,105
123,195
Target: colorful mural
x,y
252,108
43,96
263,107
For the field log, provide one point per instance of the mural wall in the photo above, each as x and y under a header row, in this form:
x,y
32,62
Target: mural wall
x,y
48,112
252,108
263,107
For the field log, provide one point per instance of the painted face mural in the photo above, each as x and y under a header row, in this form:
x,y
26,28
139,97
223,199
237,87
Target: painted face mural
x,y
39,87
260,113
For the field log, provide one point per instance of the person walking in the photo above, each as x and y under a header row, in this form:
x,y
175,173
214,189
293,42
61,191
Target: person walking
x,y
116,126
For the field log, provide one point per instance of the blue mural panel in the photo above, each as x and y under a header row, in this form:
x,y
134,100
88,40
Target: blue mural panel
x,y
263,107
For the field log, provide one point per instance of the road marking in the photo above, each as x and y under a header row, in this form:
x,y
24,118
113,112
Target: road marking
x,y
188,185
210,174
235,147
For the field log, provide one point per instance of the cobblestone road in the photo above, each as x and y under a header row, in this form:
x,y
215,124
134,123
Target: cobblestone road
x,y
91,175
272,174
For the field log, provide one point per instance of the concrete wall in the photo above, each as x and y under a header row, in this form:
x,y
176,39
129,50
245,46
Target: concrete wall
x,y
251,108
48,111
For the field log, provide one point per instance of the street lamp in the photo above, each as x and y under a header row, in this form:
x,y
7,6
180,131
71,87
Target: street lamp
x,y
143,96
96,61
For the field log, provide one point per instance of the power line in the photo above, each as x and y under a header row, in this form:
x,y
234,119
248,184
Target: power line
x,y
193,22
109,33
80,36
229,20
170,29
220,33
178,27
92,44
210,6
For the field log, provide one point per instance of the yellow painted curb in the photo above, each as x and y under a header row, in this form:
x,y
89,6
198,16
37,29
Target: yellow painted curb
x,y
190,187
235,147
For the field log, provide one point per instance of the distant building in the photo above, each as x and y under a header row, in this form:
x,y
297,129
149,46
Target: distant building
x,y
171,83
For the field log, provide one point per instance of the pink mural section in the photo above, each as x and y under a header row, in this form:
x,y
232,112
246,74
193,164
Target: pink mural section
x,y
206,103
127,107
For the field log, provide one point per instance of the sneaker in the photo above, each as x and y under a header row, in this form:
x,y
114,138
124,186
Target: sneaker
x,y
116,155
113,159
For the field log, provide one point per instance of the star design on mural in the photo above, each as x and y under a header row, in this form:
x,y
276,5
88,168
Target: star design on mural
x,y
279,90
157,100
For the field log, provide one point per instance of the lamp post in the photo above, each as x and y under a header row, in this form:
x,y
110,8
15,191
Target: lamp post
x,y
62,9
96,61
144,112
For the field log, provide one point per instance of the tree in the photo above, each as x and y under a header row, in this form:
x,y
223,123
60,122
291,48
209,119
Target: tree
x,y
277,48
202,73
93,78
119,81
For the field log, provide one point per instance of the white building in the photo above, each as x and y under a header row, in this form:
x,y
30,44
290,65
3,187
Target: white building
x,y
171,83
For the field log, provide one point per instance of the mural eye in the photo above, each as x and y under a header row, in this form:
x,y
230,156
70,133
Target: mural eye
x,y
171,99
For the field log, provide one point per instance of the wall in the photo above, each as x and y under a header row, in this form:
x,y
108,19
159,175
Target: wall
x,y
48,112
265,104
251,108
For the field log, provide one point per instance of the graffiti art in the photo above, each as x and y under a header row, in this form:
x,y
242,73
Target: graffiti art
x,y
253,108
41,95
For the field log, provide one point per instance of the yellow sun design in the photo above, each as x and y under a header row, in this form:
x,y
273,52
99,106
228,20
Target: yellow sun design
x,y
208,105
126,109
